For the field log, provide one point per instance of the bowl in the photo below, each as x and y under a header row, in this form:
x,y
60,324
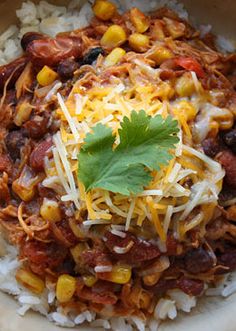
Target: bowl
x,y
218,314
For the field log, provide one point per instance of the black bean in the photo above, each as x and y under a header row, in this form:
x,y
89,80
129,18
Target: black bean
x,y
211,147
230,139
14,141
228,258
66,68
197,261
92,55
29,37
227,193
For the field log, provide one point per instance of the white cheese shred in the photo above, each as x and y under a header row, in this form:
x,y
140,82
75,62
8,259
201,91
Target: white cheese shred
x,y
63,155
130,213
68,117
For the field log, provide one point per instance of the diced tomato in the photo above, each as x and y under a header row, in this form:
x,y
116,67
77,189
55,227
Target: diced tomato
x,y
41,256
189,286
101,293
141,250
190,64
38,155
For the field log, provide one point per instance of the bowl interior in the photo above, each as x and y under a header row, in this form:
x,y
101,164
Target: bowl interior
x,y
213,314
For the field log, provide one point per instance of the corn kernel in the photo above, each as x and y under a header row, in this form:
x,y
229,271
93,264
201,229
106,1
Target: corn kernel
x,y
120,274
76,229
113,37
23,112
65,289
46,76
25,193
30,281
144,300
139,42
50,211
157,31
89,280
104,10
226,120
151,280
187,110
176,29
160,55
114,57
139,20
184,85
77,251
214,129
165,91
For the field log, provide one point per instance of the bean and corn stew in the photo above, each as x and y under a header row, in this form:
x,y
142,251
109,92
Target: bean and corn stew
x,y
117,160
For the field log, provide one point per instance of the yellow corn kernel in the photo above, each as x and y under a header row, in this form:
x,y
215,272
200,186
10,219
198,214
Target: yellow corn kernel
x,y
46,76
151,280
89,280
165,91
226,120
65,289
187,110
120,274
139,42
30,281
214,129
76,229
176,29
144,300
157,31
104,10
23,112
160,55
50,211
77,251
113,37
114,57
184,85
139,20
25,193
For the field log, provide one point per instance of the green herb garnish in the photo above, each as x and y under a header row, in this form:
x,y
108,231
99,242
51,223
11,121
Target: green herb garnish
x,y
145,144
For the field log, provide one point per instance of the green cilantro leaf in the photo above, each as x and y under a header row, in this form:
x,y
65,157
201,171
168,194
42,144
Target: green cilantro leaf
x,y
145,144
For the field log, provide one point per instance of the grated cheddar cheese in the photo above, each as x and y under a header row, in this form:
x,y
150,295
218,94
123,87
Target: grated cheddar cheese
x,y
108,103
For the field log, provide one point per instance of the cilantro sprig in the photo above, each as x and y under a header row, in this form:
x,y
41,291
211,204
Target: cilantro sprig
x,y
145,144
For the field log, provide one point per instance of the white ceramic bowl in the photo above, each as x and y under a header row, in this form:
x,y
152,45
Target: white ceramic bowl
x,y
211,314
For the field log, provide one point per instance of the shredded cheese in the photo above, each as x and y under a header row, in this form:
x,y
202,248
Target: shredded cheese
x,y
168,197
167,218
63,156
68,117
57,85
130,213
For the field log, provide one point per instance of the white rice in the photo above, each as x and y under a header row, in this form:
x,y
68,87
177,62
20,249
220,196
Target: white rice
x,y
204,29
165,309
50,19
224,44
45,18
45,303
